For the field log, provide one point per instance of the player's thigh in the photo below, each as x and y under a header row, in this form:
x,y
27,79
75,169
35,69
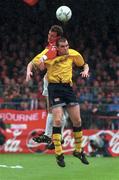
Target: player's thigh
x,y
74,113
57,114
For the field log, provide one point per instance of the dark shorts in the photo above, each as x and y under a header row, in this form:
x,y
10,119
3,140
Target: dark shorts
x,y
61,95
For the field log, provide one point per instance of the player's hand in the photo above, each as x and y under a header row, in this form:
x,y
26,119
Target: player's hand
x,y
29,76
42,64
85,74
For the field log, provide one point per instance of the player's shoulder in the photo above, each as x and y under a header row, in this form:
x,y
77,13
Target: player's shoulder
x,y
39,55
44,51
73,52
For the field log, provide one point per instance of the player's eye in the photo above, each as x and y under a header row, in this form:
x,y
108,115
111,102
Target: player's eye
x,y
64,45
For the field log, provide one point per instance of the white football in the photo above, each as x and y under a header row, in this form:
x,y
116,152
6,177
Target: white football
x,y
63,13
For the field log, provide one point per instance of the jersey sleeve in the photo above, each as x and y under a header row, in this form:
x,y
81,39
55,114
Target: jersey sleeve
x,y
77,57
36,60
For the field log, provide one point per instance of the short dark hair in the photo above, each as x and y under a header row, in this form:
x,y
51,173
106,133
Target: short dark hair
x,y
58,29
62,39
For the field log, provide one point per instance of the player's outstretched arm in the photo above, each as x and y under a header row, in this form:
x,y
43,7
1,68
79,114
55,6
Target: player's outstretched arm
x,y
29,72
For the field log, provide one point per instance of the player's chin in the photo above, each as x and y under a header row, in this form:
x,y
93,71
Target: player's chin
x,y
65,53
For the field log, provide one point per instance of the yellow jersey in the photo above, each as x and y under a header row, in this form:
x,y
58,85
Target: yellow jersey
x,y
36,61
59,69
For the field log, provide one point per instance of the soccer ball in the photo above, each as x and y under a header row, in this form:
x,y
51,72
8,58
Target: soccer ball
x,y
63,13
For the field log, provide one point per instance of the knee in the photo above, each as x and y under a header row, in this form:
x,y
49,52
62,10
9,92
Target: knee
x,y
77,123
57,122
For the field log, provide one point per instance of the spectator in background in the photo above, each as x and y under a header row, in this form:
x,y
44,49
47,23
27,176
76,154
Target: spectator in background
x,y
99,146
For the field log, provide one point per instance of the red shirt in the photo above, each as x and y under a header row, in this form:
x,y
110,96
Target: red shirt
x,y
52,51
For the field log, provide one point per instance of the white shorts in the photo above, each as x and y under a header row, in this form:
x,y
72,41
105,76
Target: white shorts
x,y
45,87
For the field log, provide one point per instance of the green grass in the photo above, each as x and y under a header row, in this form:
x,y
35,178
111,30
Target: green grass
x,y
44,167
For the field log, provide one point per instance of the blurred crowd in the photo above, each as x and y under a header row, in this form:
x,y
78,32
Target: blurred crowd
x,y
95,36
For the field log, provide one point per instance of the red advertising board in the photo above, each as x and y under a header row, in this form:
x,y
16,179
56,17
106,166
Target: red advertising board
x,y
23,125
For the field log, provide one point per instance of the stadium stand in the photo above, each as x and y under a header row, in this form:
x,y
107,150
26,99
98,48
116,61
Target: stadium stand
x,y
23,32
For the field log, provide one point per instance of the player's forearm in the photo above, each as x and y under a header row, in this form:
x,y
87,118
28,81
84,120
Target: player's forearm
x,y
29,67
29,72
86,68
85,72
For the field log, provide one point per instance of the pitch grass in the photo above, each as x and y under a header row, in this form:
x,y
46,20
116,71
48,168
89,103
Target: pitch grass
x,y
44,167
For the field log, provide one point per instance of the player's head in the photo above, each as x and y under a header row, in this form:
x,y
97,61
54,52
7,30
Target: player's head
x,y
62,46
55,33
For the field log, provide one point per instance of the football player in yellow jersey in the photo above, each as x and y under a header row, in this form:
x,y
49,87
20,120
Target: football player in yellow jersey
x,y
59,74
